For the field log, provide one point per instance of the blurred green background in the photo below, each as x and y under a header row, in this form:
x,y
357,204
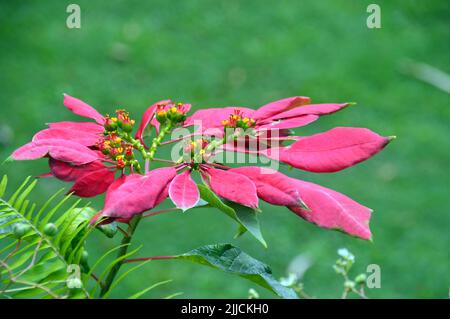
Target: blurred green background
x,y
219,53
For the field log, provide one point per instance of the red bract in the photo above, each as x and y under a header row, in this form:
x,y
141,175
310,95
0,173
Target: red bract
x,y
157,112
330,151
229,185
82,109
282,114
183,191
71,148
60,149
319,205
137,193
90,179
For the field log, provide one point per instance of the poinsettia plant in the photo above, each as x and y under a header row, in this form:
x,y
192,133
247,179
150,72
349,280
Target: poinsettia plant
x,y
103,155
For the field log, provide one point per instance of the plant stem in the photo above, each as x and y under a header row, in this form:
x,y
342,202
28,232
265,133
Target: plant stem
x,y
157,141
148,258
122,251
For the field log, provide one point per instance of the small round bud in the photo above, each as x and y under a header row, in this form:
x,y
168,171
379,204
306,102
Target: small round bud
x,y
349,284
361,279
84,257
19,230
50,229
161,116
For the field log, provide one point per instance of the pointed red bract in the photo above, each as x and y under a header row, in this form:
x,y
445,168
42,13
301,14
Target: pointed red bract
x,y
138,193
330,209
81,137
290,123
276,107
69,173
213,117
311,109
232,186
183,191
147,118
87,127
82,109
93,183
331,151
271,186
90,179
63,150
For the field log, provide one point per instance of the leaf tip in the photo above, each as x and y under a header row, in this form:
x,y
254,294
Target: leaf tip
x,y
392,137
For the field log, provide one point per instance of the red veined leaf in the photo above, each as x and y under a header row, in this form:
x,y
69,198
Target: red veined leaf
x,y
63,150
232,186
137,193
291,122
82,109
276,107
147,118
183,191
330,209
87,127
81,137
93,183
330,151
310,109
272,186
70,173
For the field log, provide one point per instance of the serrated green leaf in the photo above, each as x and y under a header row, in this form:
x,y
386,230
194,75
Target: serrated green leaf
x,y
231,259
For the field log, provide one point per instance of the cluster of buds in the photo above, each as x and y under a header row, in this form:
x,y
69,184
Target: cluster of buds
x,y
237,120
116,149
171,112
196,150
121,121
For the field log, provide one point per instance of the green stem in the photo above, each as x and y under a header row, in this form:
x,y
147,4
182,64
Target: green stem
x,y
157,141
126,240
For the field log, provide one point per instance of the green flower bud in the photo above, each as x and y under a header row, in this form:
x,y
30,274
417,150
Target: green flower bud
x,y
361,279
19,230
349,284
50,229
84,257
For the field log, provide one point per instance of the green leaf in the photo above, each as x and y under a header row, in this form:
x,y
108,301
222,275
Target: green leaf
x,y
246,217
142,292
233,260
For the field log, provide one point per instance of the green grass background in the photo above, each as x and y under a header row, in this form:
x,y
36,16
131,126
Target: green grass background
x,y
219,53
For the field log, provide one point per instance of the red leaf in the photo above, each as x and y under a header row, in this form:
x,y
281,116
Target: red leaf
x,y
183,191
213,117
276,107
330,209
146,119
81,137
80,108
59,149
331,151
87,127
311,109
272,186
232,186
290,123
93,183
137,193
70,173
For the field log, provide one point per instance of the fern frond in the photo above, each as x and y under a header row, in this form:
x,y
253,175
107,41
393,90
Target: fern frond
x,y
32,262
